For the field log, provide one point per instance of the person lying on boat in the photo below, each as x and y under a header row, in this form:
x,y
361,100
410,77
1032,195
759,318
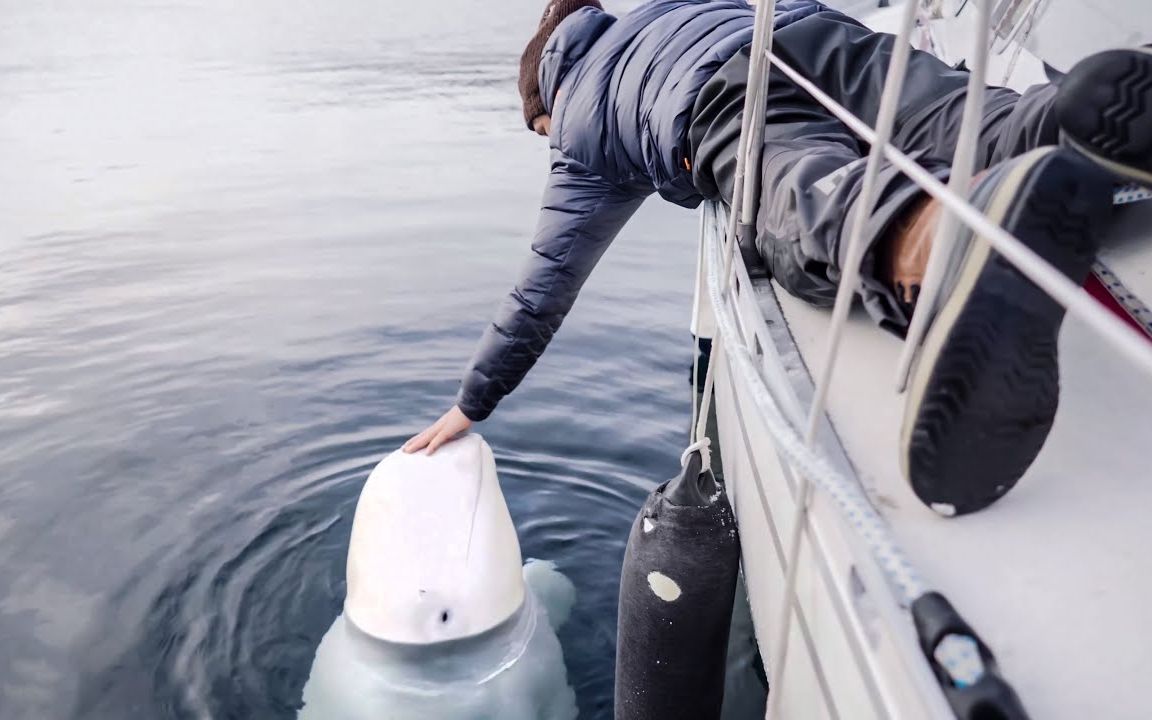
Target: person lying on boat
x,y
651,102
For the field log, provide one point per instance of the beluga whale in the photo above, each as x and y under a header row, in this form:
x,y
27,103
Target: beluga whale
x,y
441,619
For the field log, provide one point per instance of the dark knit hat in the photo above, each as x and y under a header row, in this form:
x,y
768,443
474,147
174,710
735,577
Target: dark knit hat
x,y
556,11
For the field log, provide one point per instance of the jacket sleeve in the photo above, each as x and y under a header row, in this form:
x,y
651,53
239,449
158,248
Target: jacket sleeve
x,y
580,216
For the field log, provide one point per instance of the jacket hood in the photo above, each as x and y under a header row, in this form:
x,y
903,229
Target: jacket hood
x,y
567,46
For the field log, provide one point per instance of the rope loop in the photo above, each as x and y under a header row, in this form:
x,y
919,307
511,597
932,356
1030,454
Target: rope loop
x,y
702,445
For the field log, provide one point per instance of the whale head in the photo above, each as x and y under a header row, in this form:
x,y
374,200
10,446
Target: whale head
x,y
433,555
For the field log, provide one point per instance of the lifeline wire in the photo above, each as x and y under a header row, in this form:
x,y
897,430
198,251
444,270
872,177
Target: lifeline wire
x,y
811,466
754,99
1127,341
845,295
963,161
845,494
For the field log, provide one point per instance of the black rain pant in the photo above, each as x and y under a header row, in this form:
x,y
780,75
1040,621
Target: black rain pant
x,y
812,166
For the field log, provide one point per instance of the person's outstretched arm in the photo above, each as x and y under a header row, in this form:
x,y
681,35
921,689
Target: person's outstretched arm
x,y
580,216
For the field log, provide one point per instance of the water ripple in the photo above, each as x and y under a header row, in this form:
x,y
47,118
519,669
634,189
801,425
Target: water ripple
x,y
247,252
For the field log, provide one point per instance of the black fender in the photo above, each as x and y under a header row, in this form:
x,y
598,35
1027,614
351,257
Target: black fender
x,y
677,587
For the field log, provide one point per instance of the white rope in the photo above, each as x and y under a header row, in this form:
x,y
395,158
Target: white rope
x,y
705,408
695,384
700,260
845,494
845,296
1124,339
813,469
944,244
753,116
753,96
701,446
766,19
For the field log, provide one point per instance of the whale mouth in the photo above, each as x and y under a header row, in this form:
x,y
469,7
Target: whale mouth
x,y
474,660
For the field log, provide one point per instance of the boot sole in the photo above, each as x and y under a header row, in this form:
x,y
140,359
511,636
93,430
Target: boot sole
x,y
1105,112
984,393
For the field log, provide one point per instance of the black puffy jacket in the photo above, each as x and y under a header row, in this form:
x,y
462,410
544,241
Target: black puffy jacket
x,y
620,92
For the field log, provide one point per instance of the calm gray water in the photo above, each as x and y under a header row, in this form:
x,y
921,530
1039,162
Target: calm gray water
x,y
245,250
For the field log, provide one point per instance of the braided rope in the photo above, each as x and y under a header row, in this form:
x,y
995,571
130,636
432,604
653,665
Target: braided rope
x,y
809,462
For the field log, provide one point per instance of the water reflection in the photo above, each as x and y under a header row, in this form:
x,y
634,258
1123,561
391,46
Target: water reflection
x,y
246,251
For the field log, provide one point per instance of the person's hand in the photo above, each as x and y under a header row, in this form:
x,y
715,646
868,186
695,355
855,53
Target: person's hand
x,y
450,424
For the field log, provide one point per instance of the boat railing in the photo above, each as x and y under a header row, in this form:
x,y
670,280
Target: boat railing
x,y
798,447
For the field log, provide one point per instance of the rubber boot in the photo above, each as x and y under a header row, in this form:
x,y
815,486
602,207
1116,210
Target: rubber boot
x,y
983,393
1104,109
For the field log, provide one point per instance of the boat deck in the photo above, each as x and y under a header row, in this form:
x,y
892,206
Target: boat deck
x,y
1058,574
1054,577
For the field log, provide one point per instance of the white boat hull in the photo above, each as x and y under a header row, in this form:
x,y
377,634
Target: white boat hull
x,y
854,653
1058,609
